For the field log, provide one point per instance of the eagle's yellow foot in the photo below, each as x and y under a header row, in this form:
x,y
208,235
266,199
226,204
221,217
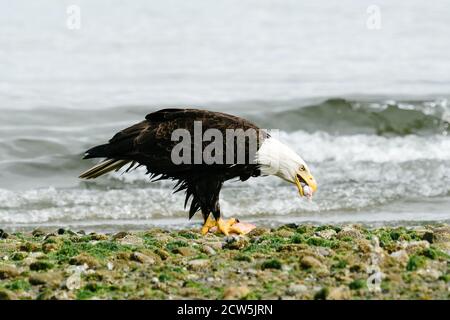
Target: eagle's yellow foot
x,y
208,225
226,226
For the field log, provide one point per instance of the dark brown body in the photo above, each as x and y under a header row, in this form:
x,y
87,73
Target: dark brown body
x,y
149,143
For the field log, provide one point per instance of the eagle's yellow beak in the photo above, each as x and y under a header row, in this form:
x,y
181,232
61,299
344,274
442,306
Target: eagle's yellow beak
x,y
304,178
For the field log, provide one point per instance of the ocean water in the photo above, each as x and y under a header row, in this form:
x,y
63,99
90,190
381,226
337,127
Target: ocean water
x,y
367,109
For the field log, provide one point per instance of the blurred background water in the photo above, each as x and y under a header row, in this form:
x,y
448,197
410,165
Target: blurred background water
x,y
367,109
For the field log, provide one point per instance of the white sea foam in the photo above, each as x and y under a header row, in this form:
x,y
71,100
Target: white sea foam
x,y
322,146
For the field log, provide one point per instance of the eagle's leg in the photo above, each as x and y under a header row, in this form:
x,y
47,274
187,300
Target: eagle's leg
x,y
214,224
210,223
225,226
206,195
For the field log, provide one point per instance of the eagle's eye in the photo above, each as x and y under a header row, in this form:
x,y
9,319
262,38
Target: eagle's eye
x,y
302,168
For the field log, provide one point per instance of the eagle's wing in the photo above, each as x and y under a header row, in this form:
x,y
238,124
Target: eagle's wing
x,y
150,143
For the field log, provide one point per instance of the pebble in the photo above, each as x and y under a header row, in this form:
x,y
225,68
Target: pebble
x,y
7,271
285,233
430,274
51,279
98,236
142,258
326,234
131,240
185,251
400,255
120,235
3,234
233,293
7,295
415,246
350,232
74,281
40,265
198,264
235,242
339,293
83,259
38,232
295,289
208,250
308,262
441,235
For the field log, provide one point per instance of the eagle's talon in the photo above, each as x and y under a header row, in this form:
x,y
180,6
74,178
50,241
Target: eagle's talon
x,y
226,227
219,225
208,225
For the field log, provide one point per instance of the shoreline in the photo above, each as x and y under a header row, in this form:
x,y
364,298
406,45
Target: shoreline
x,y
287,262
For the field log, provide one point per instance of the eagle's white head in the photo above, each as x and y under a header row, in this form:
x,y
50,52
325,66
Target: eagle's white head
x,y
276,158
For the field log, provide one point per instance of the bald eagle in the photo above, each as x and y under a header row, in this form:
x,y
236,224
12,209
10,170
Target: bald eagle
x,y
200,150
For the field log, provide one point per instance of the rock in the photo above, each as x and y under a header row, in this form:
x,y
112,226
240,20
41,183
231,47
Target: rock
x,y
326,234
441,235
126,256
285,233
216,245
3,234
416,246
429,274
198,264
235,242
364,245
63,295
308,262
428,236
40,265
82,259
38,232
120,235
295,289
49,247
8,271
7,295
163,254
74,281
18,256
185,251
339,293
208,250
50,236
321,293
401,256
131,240
142,258
257,232
61,231
98,236
50,279
29,247
349,232
324,252
32,257
233,293
271,264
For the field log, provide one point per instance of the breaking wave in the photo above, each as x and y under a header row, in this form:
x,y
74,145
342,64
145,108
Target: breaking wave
x,y
340,116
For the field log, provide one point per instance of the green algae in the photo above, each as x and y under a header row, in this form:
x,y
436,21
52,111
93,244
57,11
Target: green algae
x,y
293,261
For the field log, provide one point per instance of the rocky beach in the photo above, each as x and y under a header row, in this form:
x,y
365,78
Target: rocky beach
x,y
288,262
